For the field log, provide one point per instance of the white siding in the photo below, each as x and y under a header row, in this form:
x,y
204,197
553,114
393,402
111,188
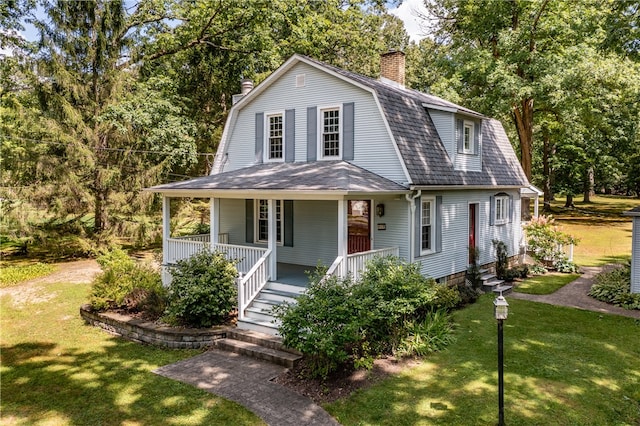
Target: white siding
x,y
445,125
635,256
468,162
315,226
455,233
395,220
373,147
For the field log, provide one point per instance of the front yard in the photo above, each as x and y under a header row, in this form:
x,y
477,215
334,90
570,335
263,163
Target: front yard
x,y
562,366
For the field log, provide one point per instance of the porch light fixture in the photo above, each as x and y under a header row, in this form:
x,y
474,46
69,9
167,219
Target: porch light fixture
x,y
500,311
380,210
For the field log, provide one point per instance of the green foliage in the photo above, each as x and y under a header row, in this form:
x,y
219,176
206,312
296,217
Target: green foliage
x,y
120,280
502,259
339,320
432,334
203,290
545,243
615,287
12,275
537,269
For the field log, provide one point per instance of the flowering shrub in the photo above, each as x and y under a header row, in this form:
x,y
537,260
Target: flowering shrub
x,y
546,242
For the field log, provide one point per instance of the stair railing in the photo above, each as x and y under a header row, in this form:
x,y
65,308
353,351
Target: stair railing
x,y
250,284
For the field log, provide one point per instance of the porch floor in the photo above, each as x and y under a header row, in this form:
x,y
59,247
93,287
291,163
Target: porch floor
x,y
291,274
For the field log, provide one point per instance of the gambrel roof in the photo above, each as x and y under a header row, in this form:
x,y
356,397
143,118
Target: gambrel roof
x,y
420,146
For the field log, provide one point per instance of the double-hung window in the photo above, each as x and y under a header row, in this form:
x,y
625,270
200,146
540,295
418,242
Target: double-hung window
x,y
467,137
502,209
427,222
330,132
262,221
275,137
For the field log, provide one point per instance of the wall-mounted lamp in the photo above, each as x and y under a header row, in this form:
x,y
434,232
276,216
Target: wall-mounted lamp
x,y
380,210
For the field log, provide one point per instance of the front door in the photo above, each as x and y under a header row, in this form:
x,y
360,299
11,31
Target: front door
x,y
472,232
359,226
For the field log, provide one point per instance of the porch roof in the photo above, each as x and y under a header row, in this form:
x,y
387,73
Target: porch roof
x,y
338,177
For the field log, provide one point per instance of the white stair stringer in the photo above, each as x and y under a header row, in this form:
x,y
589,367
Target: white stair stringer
x,y
258,315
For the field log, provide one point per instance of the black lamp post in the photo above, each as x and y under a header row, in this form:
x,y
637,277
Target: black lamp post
x,y
500,310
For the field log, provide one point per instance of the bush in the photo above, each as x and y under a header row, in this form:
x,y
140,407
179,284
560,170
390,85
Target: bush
x,y
340,320
432,334
121,276
615,287
203,290
545,242
502,259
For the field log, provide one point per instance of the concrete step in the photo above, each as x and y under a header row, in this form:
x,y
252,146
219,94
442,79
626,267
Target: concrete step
x,y
488,286
253,350
264,303
278,295
265,327
487,276
502,289
262,339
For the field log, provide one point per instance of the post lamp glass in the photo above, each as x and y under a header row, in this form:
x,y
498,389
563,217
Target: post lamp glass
x,y
500,308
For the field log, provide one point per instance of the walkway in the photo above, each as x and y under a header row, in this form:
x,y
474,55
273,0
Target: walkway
x,y
575,295
247,381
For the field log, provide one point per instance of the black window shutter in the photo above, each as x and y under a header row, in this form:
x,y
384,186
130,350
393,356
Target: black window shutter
x,y
288,223
477,128
460,134
418,226
290,135
511,209
348,131
312,133
249,221
438,224
259,136
492,210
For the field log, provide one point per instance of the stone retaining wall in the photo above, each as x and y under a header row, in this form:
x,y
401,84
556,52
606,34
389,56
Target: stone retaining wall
x,y
151,333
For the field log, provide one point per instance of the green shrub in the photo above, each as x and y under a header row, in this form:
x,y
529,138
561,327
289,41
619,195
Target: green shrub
x,y
546,241
502,259
615,287
120,277
338,321
203,290
566,266
537,270
432,334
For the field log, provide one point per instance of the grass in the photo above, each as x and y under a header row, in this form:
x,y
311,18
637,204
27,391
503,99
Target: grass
x,y
12,275
58,371
545,284
563,366
605,235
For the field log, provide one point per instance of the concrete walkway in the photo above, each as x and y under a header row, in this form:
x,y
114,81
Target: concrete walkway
x,y
575,295
247,381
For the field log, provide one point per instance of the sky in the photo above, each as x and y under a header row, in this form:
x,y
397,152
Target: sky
x,y
406,11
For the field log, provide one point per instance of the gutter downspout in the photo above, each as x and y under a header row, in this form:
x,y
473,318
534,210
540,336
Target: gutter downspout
x,y
412,220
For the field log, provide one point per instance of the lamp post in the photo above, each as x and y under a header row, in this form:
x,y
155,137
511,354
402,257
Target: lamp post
x,y
500,310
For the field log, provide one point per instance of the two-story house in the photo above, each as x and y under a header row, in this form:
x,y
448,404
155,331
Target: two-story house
x,y
321,165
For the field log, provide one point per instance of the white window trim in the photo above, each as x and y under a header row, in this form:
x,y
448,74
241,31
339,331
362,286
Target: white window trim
x,y
266,146
471,126
256,222
504,201
320,122
432,200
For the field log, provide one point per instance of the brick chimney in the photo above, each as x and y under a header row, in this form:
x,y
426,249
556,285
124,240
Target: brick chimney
x,y
392,66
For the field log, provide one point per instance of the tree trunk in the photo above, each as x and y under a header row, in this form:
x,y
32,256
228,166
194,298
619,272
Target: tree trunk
x,y
523,117
548,151
569,202
589,183
101,221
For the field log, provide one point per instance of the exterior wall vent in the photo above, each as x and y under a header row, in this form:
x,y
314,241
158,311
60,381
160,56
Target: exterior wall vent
x,y
300,80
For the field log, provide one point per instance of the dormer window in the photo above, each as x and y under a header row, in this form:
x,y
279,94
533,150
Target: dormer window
x,y
274,149
467,137
330,133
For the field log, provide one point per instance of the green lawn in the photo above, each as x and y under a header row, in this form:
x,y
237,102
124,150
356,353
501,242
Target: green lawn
x,y
545,284
58,371
562,366
605,235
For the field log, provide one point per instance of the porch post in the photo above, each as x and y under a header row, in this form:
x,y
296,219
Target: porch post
x,y
273,240
214,221
343,236
166,234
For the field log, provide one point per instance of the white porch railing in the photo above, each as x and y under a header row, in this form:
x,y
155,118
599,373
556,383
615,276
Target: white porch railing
x,y
356,262
336,267
246,255
183,248
249,285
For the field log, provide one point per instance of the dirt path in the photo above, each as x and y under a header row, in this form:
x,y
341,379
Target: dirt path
x,y
34,291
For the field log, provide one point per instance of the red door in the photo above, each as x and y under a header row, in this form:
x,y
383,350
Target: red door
x,y
359,226
472,231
